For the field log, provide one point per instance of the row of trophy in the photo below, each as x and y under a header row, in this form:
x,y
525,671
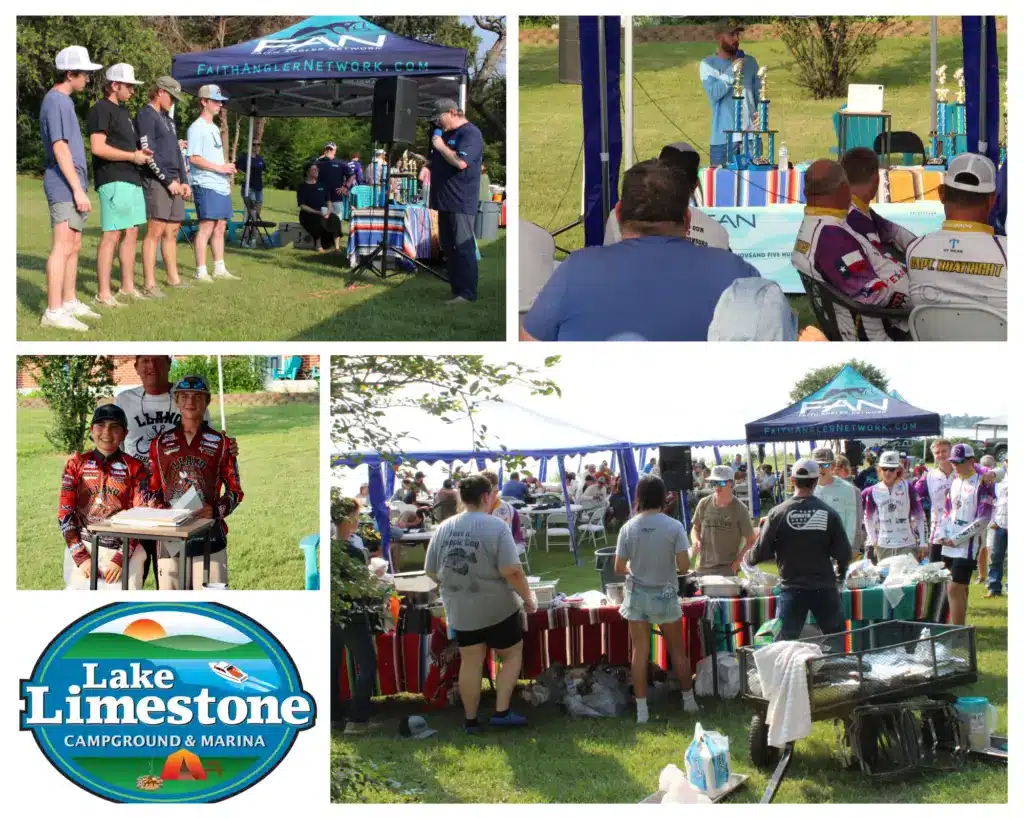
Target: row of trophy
x,y
753,139
950,118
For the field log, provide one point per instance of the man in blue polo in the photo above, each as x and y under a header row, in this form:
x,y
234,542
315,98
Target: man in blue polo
x,y
333,172
654,285
457,148
718,79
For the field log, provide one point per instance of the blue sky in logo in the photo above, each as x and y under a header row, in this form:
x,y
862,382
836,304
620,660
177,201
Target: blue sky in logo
x,y
178,622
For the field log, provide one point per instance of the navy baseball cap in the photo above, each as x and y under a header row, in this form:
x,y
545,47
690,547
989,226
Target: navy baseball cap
x,y
960,453
109,412
192,383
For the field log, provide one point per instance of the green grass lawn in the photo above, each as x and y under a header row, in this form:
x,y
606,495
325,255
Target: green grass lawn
x,y
561,759
278,459
285,294
670,105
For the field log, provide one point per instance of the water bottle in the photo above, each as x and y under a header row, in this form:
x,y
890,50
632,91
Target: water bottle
x,y
783,158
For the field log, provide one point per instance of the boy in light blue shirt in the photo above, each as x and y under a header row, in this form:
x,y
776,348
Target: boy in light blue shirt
x,y
211,183
717,78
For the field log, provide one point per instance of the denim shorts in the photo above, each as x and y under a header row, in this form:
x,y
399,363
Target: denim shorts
x,y
651,604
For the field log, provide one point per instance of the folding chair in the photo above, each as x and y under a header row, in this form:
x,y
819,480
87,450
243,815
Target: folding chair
x,y
824,299
595,525
957,322
558,527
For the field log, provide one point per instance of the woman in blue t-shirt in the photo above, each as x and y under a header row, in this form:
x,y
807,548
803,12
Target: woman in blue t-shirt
x,y
315,216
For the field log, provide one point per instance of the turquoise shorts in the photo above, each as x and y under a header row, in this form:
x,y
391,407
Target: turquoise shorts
x,y
122,206
651,605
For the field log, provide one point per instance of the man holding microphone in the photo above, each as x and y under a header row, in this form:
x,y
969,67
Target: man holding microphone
x,y
456,154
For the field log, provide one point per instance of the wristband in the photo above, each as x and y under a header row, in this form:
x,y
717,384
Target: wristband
x,y
79,554
117,559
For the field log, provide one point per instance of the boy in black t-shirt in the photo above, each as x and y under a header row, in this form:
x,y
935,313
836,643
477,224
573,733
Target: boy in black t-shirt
x,y
115,160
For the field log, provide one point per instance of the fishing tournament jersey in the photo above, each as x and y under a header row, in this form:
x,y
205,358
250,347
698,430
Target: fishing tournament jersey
x,y
148,416
828,248
934,485
893,518
95,487
176,465
963,262
504,511
885,236
968,512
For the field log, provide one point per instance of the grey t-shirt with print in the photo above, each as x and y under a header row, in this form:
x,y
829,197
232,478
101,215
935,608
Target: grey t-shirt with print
x,y
650,543
467,553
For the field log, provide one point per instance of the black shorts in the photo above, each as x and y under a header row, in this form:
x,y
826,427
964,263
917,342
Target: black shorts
x,y
961,568
501,635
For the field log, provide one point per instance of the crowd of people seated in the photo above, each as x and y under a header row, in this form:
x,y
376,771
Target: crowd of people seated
x,y
666,272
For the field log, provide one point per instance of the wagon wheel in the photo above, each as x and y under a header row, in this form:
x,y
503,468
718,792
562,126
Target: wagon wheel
x,y
762,755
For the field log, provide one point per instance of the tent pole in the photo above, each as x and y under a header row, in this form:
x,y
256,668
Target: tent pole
x,y
628,136
934,66
248,156
983,90
602,72
462,93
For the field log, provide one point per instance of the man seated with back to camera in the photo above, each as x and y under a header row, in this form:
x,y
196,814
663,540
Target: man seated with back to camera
x,y
703,230
827,248
964,262
863,172
654,285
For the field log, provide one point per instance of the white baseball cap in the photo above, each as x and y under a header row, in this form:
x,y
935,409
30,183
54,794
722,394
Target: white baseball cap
x,y
122,72
961,170
806,468
211,92
890,459
722,473
76,58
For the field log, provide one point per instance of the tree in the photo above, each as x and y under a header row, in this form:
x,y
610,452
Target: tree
x,y
828,51
816,379
242,373
71,386
364,387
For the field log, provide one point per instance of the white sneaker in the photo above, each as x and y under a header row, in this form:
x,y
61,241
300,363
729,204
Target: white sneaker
x,y
204,277
63,320
223,274
80,310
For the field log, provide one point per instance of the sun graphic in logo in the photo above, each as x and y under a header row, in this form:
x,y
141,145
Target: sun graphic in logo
x,y
145,629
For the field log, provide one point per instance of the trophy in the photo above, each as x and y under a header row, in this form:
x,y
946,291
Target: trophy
x,y
750,155
959,112
940,136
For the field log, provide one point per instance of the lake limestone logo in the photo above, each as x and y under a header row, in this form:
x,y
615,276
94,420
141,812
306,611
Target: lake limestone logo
x,y
165,702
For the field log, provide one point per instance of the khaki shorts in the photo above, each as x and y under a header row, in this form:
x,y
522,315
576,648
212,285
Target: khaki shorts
x,y
160,204
169,569
65,212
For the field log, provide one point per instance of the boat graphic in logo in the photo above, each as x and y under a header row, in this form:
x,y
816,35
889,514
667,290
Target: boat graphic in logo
x,y
165,702
316,34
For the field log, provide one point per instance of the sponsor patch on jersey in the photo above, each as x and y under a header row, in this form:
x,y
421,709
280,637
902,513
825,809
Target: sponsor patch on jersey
x,y
211,436
118,467
802,247
991,269
170,450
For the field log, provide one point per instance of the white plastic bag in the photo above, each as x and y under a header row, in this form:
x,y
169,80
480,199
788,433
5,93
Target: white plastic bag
x,y
676,790
728,677
707,761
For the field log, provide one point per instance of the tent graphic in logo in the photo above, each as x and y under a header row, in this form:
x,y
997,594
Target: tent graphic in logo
x,y
165,702
320,33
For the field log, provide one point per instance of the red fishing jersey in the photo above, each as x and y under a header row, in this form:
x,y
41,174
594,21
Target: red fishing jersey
x,y
95,487
176,465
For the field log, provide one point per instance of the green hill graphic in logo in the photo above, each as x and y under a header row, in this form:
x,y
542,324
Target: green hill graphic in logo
x,y
159,702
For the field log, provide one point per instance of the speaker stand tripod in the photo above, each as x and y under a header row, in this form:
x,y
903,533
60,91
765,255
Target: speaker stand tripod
x,y
382,250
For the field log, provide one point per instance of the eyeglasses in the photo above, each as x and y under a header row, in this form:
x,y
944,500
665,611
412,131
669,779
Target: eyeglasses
x,y
719,483
890,469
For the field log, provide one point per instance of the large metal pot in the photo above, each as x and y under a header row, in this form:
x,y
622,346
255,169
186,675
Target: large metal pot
x,y
415,588
687,584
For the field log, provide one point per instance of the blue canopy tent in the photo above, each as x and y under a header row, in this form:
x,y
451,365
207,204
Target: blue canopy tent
x,y
322,67
849,407
604,148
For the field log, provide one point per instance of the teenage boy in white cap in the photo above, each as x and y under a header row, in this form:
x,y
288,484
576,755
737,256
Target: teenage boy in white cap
x,y
965,262
968,512
722,531
839,494
116,158
164,183
65,182
211,183
804,535
893,516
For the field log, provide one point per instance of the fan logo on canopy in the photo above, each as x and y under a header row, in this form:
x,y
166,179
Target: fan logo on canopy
x,y
844,401
335,36
165,702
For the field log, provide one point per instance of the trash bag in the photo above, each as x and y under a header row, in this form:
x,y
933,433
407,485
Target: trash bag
x,y
707,761
595,693
728,677
676,789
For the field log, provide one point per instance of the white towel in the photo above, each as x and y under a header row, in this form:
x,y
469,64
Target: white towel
x,y
783,672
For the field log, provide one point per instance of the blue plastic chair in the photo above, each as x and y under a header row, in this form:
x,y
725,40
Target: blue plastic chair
x,y
310,546
290,371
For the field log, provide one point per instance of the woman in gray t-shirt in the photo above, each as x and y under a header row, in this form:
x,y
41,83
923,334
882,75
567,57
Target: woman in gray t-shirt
x,y
652,548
